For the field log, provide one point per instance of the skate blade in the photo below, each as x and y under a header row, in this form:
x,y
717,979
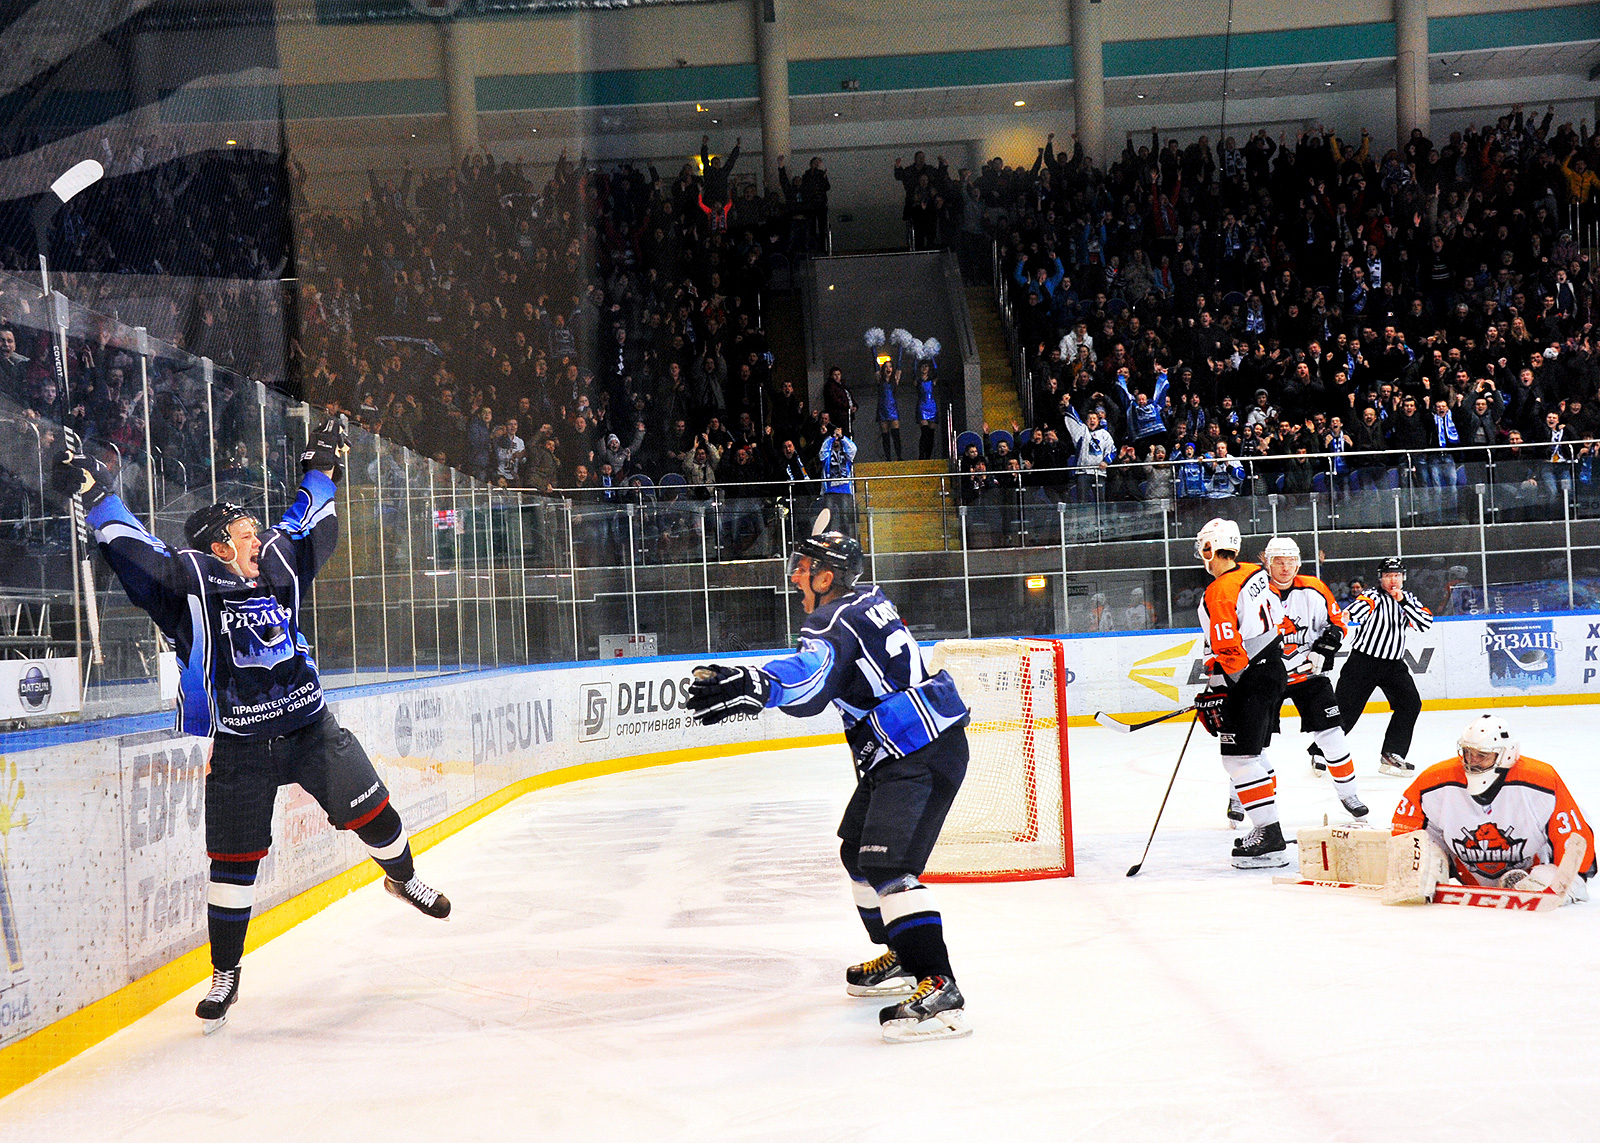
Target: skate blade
x,y
950,1025
1394,771
1236,824
209,1026
1264,861
899,986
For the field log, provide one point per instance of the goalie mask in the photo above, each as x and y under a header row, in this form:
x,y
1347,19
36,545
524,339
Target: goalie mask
x,y
1217,536
1487,751
1282,558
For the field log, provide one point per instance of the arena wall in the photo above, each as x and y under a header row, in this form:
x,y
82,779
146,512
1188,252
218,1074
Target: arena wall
x,y
102,856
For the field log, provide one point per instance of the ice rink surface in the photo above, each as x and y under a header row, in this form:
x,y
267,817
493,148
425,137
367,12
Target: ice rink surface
x,y
658,955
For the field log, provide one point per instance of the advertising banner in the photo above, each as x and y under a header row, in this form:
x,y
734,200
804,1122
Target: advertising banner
x,y
31,688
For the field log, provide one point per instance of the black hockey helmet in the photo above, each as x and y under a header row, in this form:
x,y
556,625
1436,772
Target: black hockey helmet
x,y
834,551
1391,564
209,525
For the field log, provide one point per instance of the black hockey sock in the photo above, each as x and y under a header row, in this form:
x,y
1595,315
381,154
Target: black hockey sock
x,y
385,839
914,928
229,897
925,444
899,452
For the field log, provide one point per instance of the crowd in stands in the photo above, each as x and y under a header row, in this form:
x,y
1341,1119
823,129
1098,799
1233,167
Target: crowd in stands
x,y
569,332
1245,305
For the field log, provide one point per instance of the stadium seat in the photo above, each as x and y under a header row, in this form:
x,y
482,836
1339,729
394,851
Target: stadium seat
x,y
968,438
1001,435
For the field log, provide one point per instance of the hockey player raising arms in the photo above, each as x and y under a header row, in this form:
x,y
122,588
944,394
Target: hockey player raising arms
x,y
1241,617
1501,819
230,604
1313,628
907,733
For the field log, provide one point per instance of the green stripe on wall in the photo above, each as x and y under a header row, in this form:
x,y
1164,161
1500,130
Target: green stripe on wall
x,y
1249,50
934,70
1514,29
617,88
372,97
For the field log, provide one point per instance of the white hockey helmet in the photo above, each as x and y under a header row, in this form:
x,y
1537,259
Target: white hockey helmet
x,y
1487,750
1220,536
1278,550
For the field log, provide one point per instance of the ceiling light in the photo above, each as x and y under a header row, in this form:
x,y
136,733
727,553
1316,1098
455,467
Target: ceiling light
x,y
836,115
233,142
1138,97
716,121
1019,103
1327,83
1455,73
697,107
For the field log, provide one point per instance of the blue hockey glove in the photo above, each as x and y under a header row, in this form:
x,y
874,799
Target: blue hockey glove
x,y
720,692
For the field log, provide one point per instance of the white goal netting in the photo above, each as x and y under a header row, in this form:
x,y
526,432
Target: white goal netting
x,y
1012,818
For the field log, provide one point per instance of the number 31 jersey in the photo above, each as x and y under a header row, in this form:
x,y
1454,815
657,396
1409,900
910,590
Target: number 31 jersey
x,y
857,654
1526,820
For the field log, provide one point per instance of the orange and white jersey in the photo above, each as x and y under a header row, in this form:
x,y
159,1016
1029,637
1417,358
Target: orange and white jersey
x,y
1309,609
1241,616
1526,823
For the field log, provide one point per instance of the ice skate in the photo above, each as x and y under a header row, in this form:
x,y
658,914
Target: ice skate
x,y
881,976
414,892
1261,848
1235,812
1396,765
932,1012
1357,809
213,1010
1319,762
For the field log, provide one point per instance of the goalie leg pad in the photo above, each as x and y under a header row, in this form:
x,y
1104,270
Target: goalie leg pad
x,y
1416,866
1344,855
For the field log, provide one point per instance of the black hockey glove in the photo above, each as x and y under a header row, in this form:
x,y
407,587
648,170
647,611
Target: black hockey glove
x,y
78,476
328,448
1327,645
1208,710
720,692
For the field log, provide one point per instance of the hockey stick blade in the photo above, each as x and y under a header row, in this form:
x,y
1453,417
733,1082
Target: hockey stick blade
x,y
1133,870
1110,722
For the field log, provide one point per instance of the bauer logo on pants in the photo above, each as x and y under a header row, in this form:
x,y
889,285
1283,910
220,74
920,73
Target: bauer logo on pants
x,y
1522,653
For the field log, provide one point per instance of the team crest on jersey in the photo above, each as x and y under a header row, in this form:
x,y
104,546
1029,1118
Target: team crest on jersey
x,y
257,631
1489,849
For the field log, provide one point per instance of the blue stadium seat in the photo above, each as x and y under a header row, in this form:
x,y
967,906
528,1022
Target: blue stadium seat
x,y
1001,435
968,438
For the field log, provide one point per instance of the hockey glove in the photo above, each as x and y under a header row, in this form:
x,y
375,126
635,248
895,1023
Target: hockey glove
x,y
1208,709
76,476
328,448
1327,645
720,692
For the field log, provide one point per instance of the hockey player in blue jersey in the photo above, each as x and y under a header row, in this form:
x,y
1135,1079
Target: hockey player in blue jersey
x,y
230,604
906,730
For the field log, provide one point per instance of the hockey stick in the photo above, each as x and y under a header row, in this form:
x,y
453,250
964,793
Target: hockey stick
x,y
1111,723
1140,864
80,525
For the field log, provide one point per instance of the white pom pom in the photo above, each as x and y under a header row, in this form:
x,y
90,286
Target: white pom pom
x,y
931,347
899,337
874,337
914,347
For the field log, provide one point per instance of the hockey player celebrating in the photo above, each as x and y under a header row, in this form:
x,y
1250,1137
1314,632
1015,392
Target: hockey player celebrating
x,y
230,605
1241,616
1313,629
1501,819
907,733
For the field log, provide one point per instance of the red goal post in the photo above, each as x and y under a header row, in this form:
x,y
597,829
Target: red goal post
x,y
1012,820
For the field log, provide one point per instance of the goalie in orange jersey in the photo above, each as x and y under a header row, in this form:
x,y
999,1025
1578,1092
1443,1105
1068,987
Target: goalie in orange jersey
x,y
1501,819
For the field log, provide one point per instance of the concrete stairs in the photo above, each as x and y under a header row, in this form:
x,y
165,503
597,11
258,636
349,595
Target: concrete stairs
x,y
905,513
1001,406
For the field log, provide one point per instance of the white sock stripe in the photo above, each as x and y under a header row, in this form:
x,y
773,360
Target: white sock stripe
x,y
229,896
865,895
391,851
897,905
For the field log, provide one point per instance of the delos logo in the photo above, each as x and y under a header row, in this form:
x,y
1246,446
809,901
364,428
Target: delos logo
x,y
33,689
594,712
1522,653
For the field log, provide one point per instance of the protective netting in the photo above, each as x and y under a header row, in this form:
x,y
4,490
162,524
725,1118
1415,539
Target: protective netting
x,y
1011,820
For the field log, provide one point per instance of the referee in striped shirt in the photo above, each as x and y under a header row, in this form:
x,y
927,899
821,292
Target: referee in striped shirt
x,y
1378,661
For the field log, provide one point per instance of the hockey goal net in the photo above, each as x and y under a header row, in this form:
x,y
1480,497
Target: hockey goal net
x,y
1012,820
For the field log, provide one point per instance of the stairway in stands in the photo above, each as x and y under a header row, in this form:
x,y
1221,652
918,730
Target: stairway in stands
x,y
906,514
1001,406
